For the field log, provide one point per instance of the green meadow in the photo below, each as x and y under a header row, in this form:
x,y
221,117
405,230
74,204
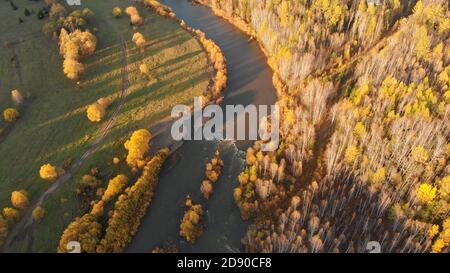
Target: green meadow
x,y
53,127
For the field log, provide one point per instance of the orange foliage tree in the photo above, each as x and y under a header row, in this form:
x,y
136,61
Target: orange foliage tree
x,y
137,147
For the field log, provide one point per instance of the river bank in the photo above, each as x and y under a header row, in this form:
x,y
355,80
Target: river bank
x,y
249,82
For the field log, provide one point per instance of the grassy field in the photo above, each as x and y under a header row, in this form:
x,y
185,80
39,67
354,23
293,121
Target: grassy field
x,y
53,126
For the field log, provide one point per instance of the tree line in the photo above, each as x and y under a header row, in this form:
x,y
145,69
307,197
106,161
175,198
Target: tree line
x,y
363,92
114,213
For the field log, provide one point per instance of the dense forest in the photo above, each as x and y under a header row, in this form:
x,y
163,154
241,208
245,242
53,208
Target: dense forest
x,y
364,93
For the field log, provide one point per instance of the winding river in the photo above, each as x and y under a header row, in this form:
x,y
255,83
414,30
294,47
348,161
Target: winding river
x,y
249,82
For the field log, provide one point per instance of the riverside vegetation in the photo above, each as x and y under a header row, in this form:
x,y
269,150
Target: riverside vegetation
x,y
364,95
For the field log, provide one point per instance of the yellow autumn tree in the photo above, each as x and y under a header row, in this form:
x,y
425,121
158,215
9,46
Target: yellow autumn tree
x,y
438,245
95,112
434,230
73,46
426,193
86,41
48,172
359,129
10,115
86,230
135,18
237,194
444,186
144,69
423,42
73,69
16,96
131,10
206,189
117,12
379,176
116,161
445,234
137,146
137,36
19,199
351,154
98,208
115,186
11,214
190,227
139,40
420,154
140,43
38,214
443,240
285,14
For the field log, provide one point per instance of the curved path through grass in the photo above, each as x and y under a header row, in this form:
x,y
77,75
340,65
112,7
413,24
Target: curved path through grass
x,y
54,128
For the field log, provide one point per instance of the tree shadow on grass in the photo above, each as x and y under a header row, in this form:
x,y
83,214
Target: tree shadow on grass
x,y
159,90
150,51
103,88
143,96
